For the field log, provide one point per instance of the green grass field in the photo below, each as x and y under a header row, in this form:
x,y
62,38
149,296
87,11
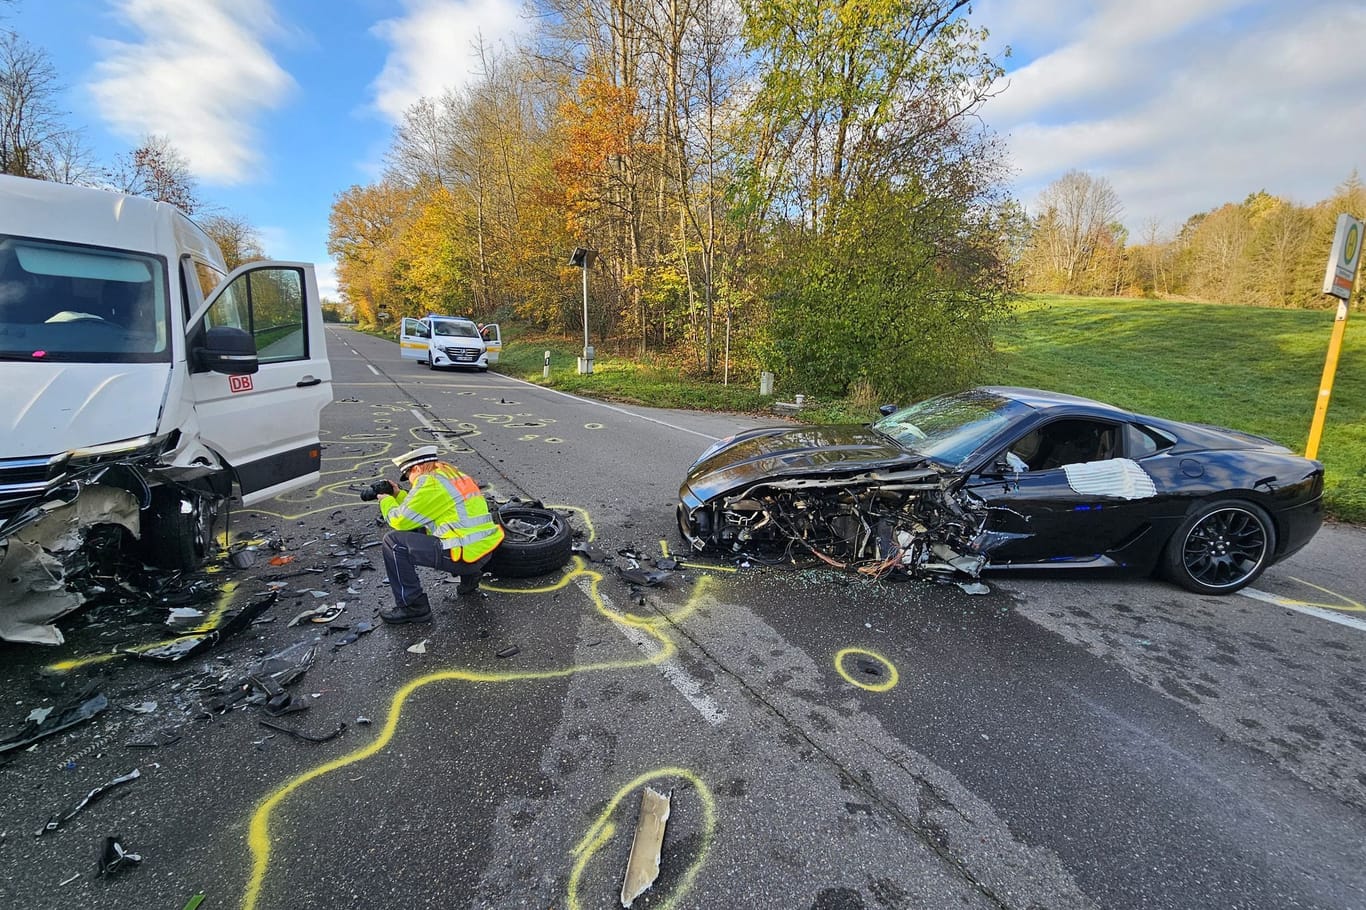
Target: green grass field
x,y
1243,367
1249,368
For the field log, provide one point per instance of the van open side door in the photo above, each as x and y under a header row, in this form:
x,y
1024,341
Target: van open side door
x,y
493,341
265,423
413,336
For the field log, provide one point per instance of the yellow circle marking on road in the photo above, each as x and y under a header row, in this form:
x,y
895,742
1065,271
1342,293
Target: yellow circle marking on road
x,y
892,676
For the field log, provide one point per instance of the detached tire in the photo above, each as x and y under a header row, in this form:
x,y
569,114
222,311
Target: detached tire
x,y
173,538
535,542
1221,547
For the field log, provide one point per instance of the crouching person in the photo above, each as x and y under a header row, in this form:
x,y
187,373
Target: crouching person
x,y
443,522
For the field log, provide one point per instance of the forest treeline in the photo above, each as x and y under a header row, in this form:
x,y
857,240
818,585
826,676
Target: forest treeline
x,y
1264,251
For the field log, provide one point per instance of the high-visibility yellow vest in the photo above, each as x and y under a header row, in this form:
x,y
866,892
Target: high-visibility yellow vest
x,y
447,504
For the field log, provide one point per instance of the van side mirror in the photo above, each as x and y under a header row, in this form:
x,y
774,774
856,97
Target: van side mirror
x,y
887,410
227,350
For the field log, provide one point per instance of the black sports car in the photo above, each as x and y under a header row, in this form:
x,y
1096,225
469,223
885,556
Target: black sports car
x,y
1006,478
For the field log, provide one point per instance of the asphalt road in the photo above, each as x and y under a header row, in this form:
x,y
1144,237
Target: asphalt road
x,y
829,742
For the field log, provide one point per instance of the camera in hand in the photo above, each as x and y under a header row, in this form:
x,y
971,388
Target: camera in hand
x,y
376,490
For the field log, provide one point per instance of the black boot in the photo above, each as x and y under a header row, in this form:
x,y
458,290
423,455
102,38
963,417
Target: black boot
x,y
417,611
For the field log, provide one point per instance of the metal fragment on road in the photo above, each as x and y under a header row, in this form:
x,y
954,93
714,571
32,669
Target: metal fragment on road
x,y
93,796
510,652
114,856
307,737
642,867
973,587
419,648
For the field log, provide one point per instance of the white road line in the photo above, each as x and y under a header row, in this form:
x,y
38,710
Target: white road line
x,y
1341,619
372,368
662,423
437,432
687,685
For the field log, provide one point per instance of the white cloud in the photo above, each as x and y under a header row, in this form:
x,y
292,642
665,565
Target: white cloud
x,y
435,47
1190,106
200,75
326,270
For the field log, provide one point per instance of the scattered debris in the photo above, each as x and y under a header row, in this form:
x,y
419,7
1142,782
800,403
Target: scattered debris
x,y
419,648
322,614
280,560
38,715
242,559
354,635
189,645
84,708
642,867
93,796
510,652
146,707
645,578
265,680
973,587
667,563
71,879
153,740
363,721
590,552
114,857
307,737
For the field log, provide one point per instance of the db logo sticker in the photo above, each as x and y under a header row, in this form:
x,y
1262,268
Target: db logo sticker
x,y
239,384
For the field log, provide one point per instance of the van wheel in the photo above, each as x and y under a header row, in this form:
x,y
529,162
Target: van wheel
x,y
174,538
535,542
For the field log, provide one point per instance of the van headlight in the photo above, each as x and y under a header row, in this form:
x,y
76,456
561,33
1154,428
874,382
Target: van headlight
x,y
124,449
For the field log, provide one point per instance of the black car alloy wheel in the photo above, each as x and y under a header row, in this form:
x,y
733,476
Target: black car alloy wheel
x,y
1222,547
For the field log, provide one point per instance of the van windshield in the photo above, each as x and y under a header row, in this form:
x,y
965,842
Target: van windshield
x,y
454,329
81,304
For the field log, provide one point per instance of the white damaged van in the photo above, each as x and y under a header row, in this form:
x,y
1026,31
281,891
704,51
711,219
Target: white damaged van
x,y
143,386
446,341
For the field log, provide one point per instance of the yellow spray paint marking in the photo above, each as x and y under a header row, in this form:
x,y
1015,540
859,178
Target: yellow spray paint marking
x,y
604,828
1345,603
892,676
258,835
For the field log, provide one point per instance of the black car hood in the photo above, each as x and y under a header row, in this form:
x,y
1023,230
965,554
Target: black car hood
x,y
777,452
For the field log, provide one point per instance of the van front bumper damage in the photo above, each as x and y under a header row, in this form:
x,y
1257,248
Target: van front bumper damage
x,y
49,507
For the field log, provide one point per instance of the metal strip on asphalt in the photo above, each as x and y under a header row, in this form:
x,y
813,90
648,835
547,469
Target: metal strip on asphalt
x,y
687,685
662,423
372,368
435,430
1317,612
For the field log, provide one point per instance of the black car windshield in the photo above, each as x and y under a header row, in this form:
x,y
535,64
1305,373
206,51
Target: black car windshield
x,y
69,303
951,427
454,329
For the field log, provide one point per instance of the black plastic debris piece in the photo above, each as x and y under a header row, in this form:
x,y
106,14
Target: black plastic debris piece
x,y
355,564
93,796
267,678
86,706
190,645
114,857
667,563
510,652
354,635
630,553
645,578
307,737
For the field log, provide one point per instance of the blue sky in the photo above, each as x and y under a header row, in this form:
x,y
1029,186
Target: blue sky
x,y
280,104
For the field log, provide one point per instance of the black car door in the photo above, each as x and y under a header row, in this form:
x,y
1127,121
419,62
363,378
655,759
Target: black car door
x,y
1070,495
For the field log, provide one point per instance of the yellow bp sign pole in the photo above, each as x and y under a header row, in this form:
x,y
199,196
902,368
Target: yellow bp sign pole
x,y
1339,281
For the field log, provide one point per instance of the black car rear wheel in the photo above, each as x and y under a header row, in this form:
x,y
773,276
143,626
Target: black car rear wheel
x,y
1221,547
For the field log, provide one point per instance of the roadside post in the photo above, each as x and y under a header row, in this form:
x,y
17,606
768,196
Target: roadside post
x,y
583,258
545,370
1339,281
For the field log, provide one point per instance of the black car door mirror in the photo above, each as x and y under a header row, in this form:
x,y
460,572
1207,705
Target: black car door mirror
x,y
887,410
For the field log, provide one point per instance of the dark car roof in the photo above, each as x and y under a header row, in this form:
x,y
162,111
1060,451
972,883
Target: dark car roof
x,y
1041,400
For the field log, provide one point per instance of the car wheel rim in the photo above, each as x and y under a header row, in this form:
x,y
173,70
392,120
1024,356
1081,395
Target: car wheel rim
x,y
1225,548
530,526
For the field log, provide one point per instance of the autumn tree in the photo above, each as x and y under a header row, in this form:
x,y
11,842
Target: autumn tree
x,y
1077,217
157,169
236,237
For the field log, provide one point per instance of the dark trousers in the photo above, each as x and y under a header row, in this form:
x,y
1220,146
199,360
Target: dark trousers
x,y
404,551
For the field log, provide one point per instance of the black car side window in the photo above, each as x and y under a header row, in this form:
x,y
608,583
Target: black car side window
x,y
1064,442
1140,442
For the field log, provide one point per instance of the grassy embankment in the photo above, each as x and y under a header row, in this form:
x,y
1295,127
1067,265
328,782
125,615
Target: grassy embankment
x,y
1249,368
